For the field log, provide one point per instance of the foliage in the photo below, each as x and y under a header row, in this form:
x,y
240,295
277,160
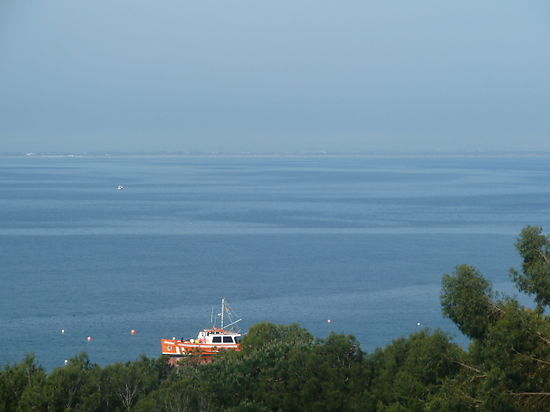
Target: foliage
x,y
466,299
264,334
284,368
534,279
507,367
296,373
21,385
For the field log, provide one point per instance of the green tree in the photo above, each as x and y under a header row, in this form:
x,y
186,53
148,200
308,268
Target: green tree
x,y
16,380
65,385
408,372
124,384
534,278
507,367
265,333
514,356
181,392
467,299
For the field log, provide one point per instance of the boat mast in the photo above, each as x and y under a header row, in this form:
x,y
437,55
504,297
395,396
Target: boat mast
x,y
223,309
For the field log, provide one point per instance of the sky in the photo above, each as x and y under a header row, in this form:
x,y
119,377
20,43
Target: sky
x,y
285,76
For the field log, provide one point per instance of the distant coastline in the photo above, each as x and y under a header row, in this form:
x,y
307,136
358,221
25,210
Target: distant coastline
x,y
275,155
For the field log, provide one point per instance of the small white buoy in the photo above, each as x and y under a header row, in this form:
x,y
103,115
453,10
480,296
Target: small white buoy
x,y
133,332
329,321
66,362
120,187
89,339
417,323
62,331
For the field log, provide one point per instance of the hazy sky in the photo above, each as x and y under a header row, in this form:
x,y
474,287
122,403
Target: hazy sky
x,y
274,76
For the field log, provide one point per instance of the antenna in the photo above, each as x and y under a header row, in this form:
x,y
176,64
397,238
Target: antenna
x,y
223,310
212,317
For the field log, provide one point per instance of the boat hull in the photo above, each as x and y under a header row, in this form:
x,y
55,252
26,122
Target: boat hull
x,y
179,348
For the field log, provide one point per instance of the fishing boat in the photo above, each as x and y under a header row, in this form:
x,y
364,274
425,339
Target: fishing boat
x,y
209,341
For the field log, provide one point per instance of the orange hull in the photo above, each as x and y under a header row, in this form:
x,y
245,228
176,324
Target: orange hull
x,y
179,348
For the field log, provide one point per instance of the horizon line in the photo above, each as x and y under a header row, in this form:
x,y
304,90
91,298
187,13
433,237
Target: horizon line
x,y
501,153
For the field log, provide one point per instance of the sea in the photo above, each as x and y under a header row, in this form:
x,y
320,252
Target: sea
x,y
346,244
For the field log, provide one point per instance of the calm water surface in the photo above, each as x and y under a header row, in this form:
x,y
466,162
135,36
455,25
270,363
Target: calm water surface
x,y
362,241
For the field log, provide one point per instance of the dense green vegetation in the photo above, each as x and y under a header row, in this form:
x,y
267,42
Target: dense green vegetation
x,y
284,368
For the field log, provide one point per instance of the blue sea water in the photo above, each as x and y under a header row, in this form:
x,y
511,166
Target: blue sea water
x,y
362,241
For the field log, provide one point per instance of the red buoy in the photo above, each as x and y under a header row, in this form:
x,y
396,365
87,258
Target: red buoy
x,y
133,331
89,339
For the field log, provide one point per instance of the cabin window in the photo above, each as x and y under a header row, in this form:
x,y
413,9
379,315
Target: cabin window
x,y
217,339
227,339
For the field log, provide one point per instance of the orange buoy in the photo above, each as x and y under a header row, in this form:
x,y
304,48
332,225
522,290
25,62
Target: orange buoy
x,y
133,331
